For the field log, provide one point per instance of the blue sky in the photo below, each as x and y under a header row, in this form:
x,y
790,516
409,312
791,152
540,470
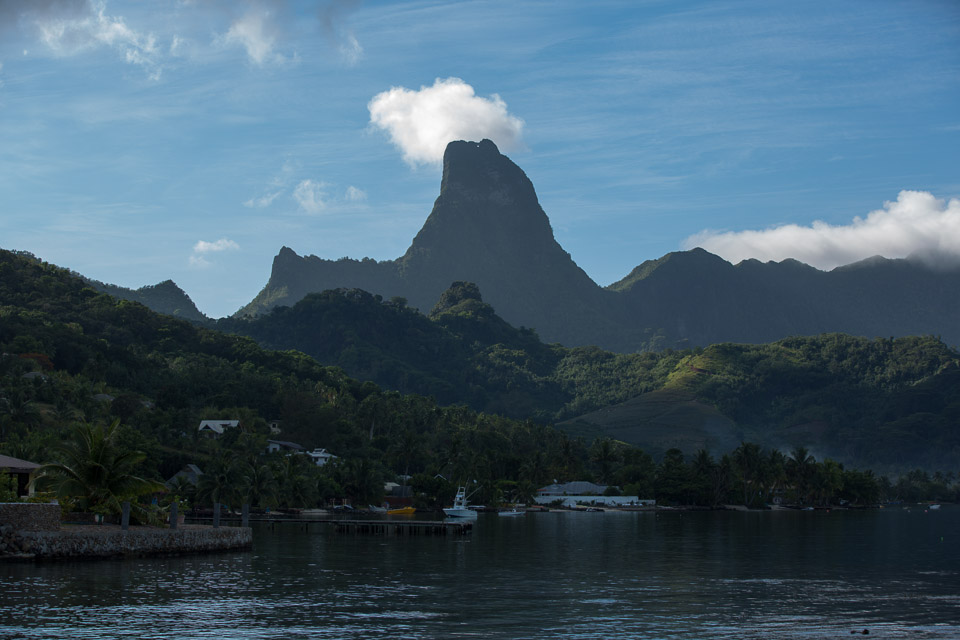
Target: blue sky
x,y
141,141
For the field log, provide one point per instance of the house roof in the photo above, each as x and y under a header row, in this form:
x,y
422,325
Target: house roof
x,y
191,472
576,488
16,465
286,444
217,426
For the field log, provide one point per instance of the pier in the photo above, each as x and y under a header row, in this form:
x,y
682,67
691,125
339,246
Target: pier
x,y
402,528
380,527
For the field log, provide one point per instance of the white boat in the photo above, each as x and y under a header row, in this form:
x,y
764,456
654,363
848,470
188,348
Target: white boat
x,y
511,512
460,508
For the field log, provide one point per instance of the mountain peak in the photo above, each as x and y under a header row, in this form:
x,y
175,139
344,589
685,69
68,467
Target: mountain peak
x,y
487,206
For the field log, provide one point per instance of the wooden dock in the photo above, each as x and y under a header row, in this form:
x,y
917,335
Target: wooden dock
x,y
381,527
403,527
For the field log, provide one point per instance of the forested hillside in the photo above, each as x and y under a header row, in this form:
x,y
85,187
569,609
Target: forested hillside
x,y
887,402
71,355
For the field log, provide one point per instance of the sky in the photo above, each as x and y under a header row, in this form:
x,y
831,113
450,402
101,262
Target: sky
x,y
191,140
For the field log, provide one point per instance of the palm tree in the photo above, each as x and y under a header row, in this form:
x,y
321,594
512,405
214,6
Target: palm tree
x,y
95,470
604,453
220,482
801,467
258,485
748,458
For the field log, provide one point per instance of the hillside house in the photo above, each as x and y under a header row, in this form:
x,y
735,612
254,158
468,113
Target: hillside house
x,y
190,472
282,445
320,457
215,428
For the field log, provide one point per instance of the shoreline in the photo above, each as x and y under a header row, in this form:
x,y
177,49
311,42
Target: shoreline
x,y
109,541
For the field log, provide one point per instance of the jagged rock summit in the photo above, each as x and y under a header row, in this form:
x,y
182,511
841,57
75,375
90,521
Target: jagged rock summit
x,y
486,227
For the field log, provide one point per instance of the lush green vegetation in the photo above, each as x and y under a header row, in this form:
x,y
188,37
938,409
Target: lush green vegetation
x,y
72,355
885,403
75,361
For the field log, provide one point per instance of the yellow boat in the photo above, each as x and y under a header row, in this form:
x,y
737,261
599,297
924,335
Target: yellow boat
x,y
402,511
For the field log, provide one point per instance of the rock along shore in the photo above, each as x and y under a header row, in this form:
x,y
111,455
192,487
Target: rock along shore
x,y
104,541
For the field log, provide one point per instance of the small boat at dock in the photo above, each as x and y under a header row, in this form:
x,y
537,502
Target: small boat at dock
x,y
460,508
401,511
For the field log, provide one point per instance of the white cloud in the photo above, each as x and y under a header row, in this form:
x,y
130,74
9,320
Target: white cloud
x,y
421,123
332,19
223,244
256,32
262,202
70,28
310,195
916,224
355,195
202,247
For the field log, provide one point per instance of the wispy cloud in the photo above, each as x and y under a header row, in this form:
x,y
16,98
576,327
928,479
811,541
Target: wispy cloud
x,y
354,194
203,248
263,201
421,123
257,32
336,30
70,27
916,224
266,31
310,195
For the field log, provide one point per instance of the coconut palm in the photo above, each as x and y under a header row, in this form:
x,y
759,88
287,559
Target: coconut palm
x,y
95,471
258,484
220,482
801,468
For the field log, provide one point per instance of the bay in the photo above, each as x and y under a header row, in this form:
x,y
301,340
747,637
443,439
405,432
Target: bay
x,y
784,574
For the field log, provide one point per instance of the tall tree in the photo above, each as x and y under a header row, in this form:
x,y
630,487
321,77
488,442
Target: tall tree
x,y
95,470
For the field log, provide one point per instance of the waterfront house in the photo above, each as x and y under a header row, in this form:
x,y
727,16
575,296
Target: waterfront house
x,y
215,428
22,470
578,488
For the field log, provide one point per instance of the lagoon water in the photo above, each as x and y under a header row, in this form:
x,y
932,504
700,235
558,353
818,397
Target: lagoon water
x,y
894,572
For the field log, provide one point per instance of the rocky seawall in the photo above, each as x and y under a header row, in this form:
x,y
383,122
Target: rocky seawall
x,y
31,533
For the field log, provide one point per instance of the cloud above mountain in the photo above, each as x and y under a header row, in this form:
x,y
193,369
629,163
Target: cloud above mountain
x,y
421,123
916,224
204,247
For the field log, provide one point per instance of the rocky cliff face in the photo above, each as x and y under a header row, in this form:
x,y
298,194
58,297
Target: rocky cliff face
x,y
487,227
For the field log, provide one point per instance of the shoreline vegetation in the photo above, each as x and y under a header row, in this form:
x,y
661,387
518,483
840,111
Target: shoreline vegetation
x,y
107,396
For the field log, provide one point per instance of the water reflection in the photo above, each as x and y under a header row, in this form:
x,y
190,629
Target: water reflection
x,y
571,575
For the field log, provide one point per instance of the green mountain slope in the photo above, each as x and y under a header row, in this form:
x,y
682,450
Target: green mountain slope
x,y
69,353
883,402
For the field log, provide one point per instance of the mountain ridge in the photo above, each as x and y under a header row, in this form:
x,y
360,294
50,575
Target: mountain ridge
x,y
487,227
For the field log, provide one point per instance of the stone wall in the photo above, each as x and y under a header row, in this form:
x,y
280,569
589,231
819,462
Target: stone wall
x,y
25,516
106,541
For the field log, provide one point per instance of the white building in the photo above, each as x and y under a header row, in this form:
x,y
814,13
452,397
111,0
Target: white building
x,y
215,428
320,456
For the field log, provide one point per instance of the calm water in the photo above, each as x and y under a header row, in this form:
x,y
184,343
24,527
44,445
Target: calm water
x,y
551,575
